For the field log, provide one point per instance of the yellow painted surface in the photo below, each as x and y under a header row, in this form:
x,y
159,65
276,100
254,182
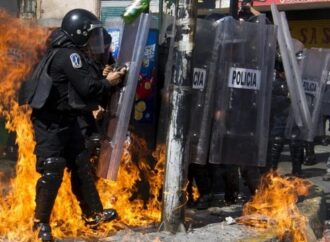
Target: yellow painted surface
x,y
313,33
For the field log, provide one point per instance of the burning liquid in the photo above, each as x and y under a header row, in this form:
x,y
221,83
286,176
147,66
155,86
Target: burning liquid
x,y
274,207
19,43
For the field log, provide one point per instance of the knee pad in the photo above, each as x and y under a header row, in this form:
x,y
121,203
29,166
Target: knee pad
x,y
54,165
53,169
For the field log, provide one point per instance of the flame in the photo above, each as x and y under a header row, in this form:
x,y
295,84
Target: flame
x,y
21,43
274,206
195,193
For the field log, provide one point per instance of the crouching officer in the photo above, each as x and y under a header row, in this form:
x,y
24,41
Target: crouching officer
x,y
60,90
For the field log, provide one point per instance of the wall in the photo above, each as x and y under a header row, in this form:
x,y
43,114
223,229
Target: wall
x,y
51,12
10,6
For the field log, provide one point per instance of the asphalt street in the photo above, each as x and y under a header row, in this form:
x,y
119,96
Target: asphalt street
x,y
313,173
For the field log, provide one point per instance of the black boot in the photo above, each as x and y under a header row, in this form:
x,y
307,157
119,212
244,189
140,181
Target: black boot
x,y
190,202
231,183
106,216
84,188
251,175
201,176
276,150
217,173
47,187
310,158
297,156
44,231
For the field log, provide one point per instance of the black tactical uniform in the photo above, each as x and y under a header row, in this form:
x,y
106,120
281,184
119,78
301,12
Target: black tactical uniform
x,y
61,92
280,109
278,118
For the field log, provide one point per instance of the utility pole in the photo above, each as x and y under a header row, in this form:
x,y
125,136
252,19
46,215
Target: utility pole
x,y
174,197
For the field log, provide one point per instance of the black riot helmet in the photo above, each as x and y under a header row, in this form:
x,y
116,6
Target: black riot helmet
x,y
84,28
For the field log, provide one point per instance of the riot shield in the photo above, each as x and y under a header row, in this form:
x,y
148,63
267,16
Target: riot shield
x,y
325,108
202,93
131,54
314,69
315,75
115,26
292,73
246,55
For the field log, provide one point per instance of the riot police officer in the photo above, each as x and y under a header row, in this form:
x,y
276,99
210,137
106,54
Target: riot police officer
x,y
280,109
279,115
60,90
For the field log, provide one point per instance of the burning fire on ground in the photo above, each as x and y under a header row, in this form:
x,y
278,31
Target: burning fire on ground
x,y
274,207
20,46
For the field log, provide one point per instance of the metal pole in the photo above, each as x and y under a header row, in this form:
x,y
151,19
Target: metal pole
x,y
174,197
233,8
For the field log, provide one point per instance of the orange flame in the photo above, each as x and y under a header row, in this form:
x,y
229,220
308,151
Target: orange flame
x,y
195,193
20,42
274,206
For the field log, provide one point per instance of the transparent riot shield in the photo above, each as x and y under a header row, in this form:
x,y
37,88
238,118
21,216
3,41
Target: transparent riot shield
x,y
115,26
130,54
246,55
314,68
299,104
315,78
325,109
202,93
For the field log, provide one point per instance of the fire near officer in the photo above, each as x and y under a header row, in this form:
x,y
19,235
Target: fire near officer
x,y
60,90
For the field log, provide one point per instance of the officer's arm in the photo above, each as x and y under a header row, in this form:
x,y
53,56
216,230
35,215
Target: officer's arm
x,y
77,71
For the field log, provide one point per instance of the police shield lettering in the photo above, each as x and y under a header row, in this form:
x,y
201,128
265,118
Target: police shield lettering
x,y
244,55
202,93
244,78
75,60
310,87
314,68
199,76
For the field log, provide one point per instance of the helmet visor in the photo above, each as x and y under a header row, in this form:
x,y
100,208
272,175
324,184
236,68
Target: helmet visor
x,y
95,41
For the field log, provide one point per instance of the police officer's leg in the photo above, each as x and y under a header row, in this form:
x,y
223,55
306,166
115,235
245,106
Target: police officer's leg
x,y
50,140
51,170
83,183
297,156
276,146
276,138
190,177
276,150
231,176
310,158
251,175
217,174
201,176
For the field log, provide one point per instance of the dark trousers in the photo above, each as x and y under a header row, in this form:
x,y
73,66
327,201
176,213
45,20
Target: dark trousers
x,y
60,144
